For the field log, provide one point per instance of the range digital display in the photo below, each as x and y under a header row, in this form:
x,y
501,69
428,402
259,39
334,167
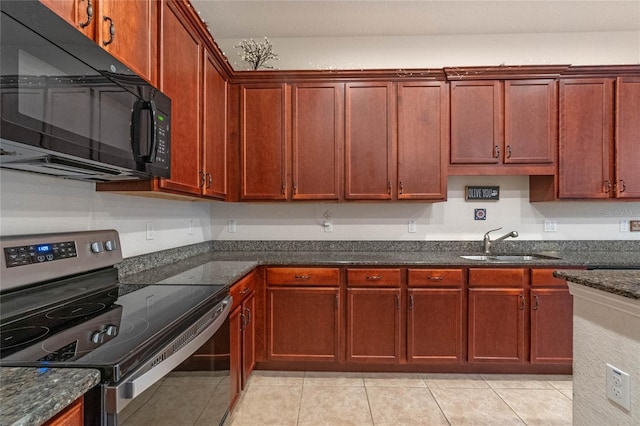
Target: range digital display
x,y
43,248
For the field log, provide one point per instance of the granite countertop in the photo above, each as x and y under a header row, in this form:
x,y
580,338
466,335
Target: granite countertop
x,y
625,283
31,396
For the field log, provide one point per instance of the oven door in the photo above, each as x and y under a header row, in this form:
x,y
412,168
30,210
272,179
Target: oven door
x,y
187,382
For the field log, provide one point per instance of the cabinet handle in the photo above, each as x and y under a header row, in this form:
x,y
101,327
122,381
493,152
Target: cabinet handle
x,y
508,151
295,189
397,302
209,180
244,290
388,187
89,15
337,301
622,186
536,304
523,303
302,277
284,189
401,188
373,277
202,178
112,31
436,278
243,322
248,311
607,186
410,301
496,152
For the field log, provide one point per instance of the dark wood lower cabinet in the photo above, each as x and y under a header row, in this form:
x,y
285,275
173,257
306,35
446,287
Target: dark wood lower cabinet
x,y
304,323
434,326
235,367
551,326
373,325
72,415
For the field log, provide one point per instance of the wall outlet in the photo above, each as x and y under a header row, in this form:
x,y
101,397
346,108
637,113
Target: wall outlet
x,y
618,387
412,226
624,225
231,226
550,226
190,228
150,231
328,226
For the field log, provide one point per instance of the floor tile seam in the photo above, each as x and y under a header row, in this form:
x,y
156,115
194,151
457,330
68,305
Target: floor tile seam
x,y
439,406
366,392
510,407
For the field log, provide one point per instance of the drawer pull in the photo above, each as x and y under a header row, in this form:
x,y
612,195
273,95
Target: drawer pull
x,y
374,277
244,290
436,278
303,277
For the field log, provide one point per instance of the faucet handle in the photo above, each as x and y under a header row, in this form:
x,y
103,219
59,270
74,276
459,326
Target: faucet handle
x,y
486,235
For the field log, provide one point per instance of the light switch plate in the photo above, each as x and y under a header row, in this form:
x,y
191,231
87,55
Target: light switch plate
x,y
550,226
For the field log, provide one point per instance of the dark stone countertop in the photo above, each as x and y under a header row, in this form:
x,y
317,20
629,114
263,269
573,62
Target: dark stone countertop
x,y
31,396
625,283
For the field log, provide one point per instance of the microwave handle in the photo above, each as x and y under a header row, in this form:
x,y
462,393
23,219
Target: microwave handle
x,y
138,107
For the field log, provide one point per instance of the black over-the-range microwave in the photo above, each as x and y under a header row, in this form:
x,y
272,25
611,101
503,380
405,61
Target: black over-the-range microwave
x,y
70,109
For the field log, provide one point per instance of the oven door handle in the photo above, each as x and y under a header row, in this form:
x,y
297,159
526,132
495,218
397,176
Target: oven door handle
x,y
118,396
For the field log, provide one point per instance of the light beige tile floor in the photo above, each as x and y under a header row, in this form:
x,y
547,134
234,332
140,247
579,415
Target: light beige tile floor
x,y
320,398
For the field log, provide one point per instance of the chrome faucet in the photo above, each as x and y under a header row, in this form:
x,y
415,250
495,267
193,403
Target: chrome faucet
x,y
487,242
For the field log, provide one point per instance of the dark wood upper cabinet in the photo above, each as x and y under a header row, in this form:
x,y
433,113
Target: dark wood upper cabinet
x,y
369,138
317,140
627,142
181,79
530,121
263,141
79,13
476,122
423,140
586,138
214,135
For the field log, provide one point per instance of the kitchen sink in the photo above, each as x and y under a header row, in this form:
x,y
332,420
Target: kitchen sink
x,y
509,257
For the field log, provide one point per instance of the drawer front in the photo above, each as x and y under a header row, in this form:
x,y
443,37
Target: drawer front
x,y
435,278
326,277
373,277
494,277
241,289
545,278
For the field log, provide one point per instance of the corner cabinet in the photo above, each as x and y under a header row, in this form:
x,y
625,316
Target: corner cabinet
x,y
369,140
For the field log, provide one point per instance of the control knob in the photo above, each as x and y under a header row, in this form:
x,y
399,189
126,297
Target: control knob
x,y
97,247
110,245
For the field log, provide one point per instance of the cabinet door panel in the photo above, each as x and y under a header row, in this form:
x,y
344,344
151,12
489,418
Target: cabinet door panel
x,y
476,133
530,127
180,80
551,326
434,326
368,141
496,325
248,337
235,355
134,41
586,138
318,129
214,136
373,325
423,140
76,13
304,323
263,139
628,138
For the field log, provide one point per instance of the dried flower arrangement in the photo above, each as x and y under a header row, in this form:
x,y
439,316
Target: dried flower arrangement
x,y
256,54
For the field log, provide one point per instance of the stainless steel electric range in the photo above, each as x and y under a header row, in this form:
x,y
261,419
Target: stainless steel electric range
x,y
60,306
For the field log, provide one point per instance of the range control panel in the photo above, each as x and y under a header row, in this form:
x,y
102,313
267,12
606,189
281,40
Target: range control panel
x,y
31,259
38,253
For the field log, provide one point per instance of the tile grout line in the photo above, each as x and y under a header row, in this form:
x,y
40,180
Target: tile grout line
x,y
507,404
366,392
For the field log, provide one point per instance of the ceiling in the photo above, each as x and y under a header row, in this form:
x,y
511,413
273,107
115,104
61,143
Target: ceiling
x,y
236,19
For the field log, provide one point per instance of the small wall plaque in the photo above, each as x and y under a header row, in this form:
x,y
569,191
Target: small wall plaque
x,y
483,193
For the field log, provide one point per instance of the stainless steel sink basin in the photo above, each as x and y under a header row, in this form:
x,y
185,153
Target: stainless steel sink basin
x,y
509,257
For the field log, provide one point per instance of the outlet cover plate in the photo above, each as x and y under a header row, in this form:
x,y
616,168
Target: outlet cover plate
x,y
618,388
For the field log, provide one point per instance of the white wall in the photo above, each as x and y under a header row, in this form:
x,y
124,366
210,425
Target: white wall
x,y
38,204
451,220
449,51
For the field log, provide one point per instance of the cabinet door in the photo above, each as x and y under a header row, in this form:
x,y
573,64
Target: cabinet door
x,y
304,323
317,140
628,138
496,325
551,326
180,80
134,25
373,325
586,138
263,124
79,13
214,135
530,121
235,354
368,141
476,122
434,326
423,140
248,337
